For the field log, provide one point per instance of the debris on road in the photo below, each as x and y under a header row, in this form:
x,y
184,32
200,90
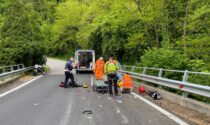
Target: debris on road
x,y
85,85
100,106
141,89
154,94
118,111
117,98
87,112
36,104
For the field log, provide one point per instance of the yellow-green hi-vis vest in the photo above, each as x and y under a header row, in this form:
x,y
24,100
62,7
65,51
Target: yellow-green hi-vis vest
x,y
111,67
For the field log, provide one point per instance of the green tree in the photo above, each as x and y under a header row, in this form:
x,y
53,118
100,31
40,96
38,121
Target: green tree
x,y
21,38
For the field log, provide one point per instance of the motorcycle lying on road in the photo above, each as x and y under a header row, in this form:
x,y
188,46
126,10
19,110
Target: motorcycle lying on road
x,y
38,70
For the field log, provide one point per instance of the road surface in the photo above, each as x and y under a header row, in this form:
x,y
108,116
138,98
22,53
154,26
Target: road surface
x,y
42,102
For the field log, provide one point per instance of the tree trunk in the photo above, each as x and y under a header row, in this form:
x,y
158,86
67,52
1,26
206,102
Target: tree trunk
x,y
156,34
139,9
185,25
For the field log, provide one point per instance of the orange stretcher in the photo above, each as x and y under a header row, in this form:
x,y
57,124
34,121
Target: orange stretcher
x,y
127,84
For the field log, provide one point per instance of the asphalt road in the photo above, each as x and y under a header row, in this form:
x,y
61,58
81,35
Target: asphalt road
x,y
42,102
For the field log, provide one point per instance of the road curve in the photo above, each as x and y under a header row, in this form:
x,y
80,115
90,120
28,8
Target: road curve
x,y
42,102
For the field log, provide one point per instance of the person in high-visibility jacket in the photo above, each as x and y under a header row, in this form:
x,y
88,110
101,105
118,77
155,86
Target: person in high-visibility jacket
x,y
127,82
111,68
99,68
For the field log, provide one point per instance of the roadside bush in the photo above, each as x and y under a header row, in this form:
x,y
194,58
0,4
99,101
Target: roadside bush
x,y
173,59
164,58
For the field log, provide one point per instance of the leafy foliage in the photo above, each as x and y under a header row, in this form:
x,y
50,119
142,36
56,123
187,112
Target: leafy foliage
x,y
20,35
127,28
164,58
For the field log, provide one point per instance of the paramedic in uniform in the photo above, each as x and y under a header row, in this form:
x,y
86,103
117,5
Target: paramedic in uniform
x,y
68,72
99,68
110,69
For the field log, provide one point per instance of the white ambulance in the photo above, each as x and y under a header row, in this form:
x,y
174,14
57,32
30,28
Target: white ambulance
x,y
84,60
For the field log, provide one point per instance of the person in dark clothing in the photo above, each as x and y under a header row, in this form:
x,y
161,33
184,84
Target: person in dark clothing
x,y
68,73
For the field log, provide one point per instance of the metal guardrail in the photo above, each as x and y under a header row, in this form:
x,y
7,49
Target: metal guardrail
x,y
13,70
183,85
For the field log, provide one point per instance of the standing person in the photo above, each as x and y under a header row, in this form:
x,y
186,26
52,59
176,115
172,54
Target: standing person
x,y
119,76
111,70
68,72
99,68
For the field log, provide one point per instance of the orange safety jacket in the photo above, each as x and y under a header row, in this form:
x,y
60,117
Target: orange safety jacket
x,y
127,81
99,69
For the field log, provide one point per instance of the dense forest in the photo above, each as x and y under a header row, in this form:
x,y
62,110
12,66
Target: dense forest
x,y
172,34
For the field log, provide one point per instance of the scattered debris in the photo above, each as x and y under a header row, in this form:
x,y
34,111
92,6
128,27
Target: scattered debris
x,y
154,94
118,111
35,104
85,85
119,101
90,118
100,106
141,89
87,112
89,90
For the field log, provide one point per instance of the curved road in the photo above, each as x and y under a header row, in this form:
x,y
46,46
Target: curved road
x,y
42,102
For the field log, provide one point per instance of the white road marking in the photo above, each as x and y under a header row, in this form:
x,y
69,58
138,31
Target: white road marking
x,y
65,118
12,90
83,97
168,114
36,104
90,118
119,101
91,83
124,119
118,111
100,106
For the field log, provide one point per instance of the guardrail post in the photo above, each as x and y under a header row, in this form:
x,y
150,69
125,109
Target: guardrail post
x,y
185,77
3,70
18,67
160,75
160,72
124,67
133,67
11,68
144,70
